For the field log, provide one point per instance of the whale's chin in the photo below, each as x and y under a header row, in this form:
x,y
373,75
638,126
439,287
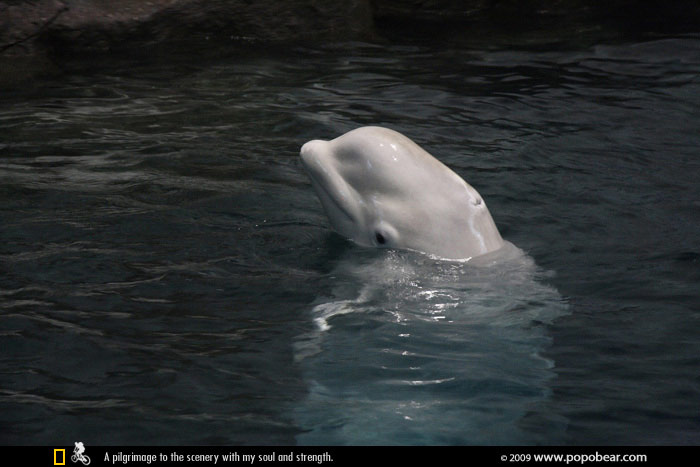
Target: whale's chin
x,y
328,185
339,217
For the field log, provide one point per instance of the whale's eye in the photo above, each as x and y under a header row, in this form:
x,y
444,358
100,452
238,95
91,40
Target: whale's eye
x,y
380,238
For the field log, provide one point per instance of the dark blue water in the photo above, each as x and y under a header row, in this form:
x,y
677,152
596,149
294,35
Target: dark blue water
x,y
167,275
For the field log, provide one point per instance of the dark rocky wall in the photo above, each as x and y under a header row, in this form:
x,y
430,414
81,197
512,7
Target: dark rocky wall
x,y
37,35
541,21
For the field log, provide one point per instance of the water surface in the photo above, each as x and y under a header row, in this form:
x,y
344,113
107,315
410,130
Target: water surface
x,y
164,261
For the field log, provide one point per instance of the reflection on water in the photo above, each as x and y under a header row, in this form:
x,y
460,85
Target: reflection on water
x,y
164,257
406,342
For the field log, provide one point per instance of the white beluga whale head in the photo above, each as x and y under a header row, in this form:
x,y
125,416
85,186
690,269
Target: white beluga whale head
x,y
379,188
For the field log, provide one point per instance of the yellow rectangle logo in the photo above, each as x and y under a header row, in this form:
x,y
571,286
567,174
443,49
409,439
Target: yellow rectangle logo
x,y
59,457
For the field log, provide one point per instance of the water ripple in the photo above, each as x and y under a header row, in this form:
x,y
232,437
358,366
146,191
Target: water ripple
x,y
161,242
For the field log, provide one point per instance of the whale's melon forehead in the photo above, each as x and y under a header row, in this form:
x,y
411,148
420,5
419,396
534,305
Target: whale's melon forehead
x,y
381,152
376,143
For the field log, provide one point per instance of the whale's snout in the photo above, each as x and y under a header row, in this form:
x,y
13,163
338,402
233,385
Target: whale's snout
x,y
310,150
337,197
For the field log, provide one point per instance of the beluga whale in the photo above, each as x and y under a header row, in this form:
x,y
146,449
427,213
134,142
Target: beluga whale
x,y
379,188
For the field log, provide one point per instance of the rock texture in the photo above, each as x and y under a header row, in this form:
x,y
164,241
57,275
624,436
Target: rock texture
x,y
540,21
35,34
38,35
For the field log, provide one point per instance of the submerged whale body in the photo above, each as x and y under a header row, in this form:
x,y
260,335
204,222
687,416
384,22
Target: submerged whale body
x,y
381,189
411,350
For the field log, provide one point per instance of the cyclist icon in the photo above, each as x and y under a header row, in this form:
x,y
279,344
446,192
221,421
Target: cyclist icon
x,y
78,454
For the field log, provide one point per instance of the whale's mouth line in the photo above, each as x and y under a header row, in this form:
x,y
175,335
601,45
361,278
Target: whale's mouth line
x,y
324,192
